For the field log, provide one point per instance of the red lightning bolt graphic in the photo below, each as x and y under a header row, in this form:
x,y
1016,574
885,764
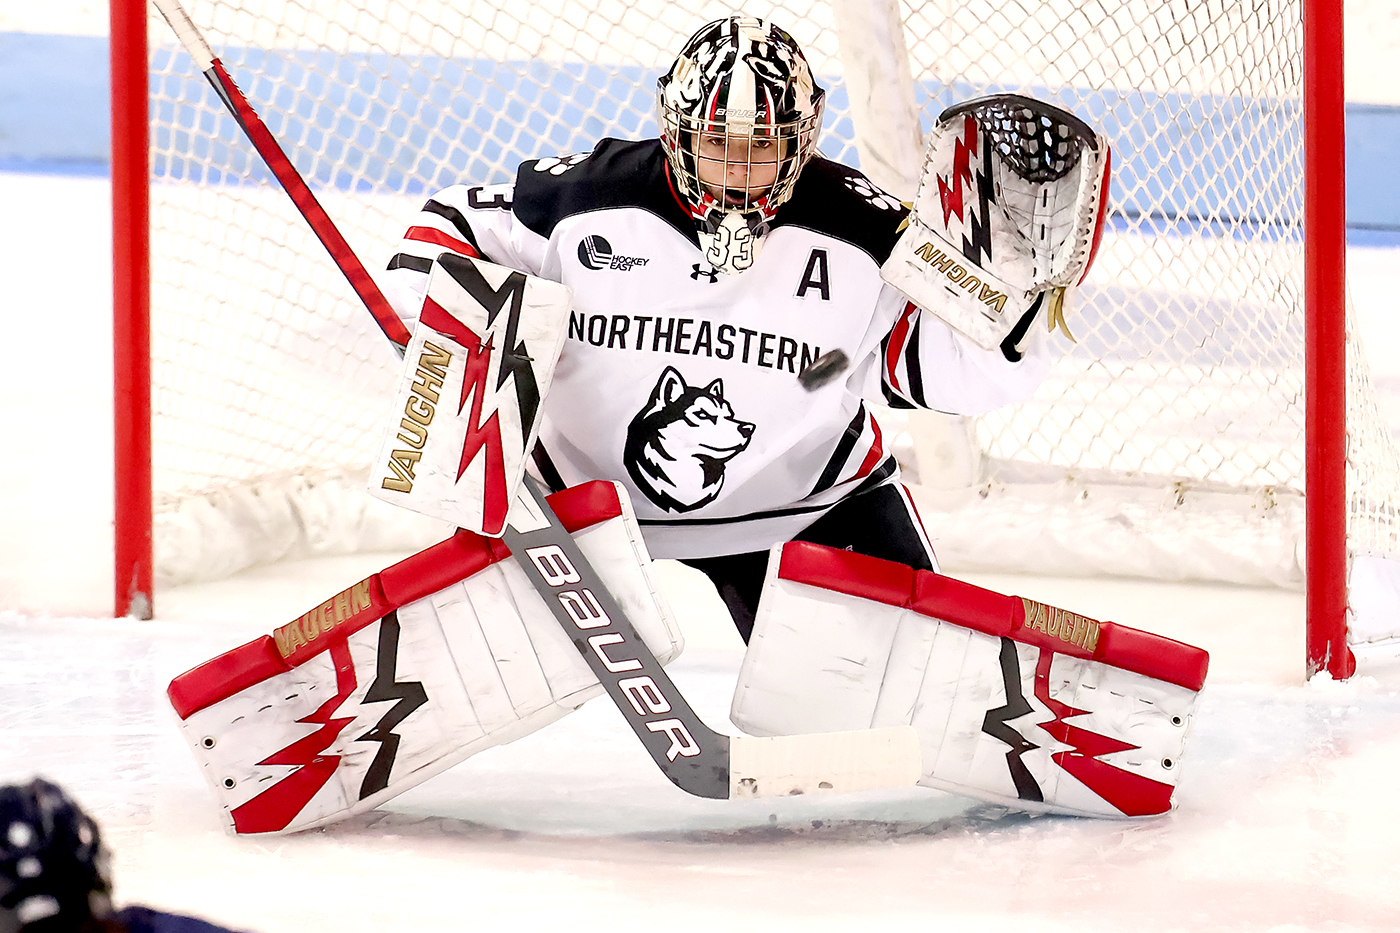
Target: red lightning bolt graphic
x,y
277,806
952,195
486,435
1131,793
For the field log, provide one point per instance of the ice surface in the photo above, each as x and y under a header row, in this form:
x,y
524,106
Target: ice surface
x,y
1287,820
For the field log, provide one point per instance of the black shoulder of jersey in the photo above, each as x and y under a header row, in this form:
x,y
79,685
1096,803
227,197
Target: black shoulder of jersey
x,y
840,202
615,174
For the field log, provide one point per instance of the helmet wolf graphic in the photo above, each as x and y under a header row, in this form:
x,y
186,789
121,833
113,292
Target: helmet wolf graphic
x,y
739,114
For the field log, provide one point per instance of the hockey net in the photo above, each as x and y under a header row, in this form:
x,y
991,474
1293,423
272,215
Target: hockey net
x,y
1168,441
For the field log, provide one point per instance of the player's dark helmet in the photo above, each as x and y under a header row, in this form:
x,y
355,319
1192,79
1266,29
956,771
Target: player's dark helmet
x,y
53,866
739,78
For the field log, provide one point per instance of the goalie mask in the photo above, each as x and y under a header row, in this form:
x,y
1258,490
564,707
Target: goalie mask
x,y
739,115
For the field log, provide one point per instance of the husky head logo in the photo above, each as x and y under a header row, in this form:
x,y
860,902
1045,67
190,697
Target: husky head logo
x,y
678,444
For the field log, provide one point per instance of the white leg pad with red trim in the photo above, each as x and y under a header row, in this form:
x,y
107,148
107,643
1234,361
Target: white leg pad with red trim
x,y
406,673
1014,702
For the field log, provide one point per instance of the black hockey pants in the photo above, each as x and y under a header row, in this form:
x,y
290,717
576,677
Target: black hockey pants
x,y
878,523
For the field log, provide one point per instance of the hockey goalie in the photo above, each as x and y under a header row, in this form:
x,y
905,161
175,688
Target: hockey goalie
x,y
453,650
681,337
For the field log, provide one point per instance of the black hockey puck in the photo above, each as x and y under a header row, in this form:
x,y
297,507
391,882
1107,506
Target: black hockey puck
x,y
823,369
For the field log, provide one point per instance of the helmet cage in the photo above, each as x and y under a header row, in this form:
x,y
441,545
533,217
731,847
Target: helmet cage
x,y
740,93
723,141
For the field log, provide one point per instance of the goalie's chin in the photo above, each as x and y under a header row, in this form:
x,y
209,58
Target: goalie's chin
x,y
738,199
741,199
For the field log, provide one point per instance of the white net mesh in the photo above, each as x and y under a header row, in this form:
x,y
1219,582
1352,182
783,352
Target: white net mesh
x,y
1187,374
1168,441
1176,419
269,377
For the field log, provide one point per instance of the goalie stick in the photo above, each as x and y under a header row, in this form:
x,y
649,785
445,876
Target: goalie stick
x,y
263,141
694,757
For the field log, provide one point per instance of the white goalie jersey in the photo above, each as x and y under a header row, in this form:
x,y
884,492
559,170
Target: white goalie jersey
x,y
680,381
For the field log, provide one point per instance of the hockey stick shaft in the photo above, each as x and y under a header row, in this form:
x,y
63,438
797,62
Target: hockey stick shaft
x,y
287,175
694,757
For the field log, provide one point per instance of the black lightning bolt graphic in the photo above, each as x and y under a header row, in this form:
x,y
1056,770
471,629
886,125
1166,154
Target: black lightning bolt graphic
x,y
515,361
410,695
980,220
995,724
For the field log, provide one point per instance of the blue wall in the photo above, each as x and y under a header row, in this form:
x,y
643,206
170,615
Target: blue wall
x,y
53,117
1373,181
53,99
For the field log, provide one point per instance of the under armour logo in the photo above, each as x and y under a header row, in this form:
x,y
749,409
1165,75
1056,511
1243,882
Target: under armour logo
x,y
697,272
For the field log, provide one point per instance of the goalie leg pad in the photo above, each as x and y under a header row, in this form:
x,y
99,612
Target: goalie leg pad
x,y
1014,702
405,674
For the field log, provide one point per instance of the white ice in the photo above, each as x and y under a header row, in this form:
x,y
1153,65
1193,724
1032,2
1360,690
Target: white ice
x,y
1287,818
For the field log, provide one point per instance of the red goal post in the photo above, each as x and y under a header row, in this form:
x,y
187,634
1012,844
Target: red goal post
x,y
247,381
1324,226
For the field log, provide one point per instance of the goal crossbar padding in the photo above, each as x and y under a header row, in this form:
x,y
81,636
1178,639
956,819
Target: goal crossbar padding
x,y
411,579
992,613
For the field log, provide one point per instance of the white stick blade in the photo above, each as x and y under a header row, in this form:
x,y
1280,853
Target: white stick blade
x,y
824,763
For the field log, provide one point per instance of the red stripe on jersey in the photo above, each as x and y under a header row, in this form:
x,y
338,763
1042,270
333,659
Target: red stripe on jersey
x,y
438,238
874,456
913,507
918,523
896,346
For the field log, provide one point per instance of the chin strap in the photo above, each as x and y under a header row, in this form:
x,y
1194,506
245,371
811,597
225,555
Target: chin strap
x,y
729,240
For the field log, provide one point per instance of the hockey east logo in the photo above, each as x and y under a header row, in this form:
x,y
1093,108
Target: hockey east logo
x,y
596,253
679,444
